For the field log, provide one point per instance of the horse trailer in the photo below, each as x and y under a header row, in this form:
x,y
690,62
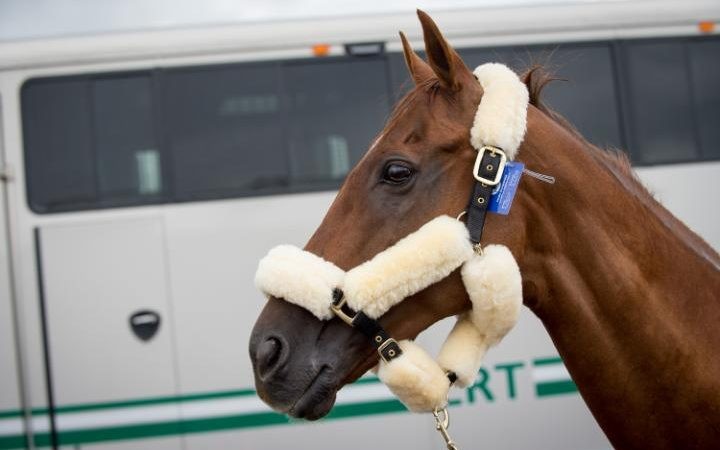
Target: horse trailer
x,y
143,174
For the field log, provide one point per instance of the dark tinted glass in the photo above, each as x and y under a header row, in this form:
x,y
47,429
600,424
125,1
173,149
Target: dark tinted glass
x,y
659,102
59,160
128,159
705,72
587,97
334,111
225,131
89,143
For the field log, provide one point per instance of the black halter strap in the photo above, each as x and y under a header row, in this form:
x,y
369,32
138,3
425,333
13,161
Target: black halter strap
x,y
489,166
386,346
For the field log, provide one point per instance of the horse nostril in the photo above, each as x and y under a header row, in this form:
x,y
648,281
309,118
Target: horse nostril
x,y
268,355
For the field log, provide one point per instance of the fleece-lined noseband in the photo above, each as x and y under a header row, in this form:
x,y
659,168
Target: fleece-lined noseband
x,y
491,276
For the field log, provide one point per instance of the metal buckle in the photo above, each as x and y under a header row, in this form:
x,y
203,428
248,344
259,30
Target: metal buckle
x,y
382,347
337,309
501,167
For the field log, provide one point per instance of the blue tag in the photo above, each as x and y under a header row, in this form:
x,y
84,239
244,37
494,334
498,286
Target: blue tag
x,y
502,196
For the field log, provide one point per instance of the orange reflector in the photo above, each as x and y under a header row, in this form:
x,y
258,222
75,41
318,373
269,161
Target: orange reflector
x,y
321,49
706,26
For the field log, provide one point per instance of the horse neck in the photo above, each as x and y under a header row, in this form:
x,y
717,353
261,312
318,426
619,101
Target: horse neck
x,y
627,293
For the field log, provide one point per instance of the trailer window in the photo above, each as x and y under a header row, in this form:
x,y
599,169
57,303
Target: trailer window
x,y
59,159
659,102
222,126
128,157
705,75
586,93
334,110
89,143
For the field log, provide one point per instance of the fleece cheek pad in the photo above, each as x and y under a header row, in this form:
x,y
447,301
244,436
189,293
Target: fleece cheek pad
x,y
299,277
415,378
501,117
415,262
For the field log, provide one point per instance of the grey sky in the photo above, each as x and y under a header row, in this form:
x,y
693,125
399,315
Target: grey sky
x,y
22,19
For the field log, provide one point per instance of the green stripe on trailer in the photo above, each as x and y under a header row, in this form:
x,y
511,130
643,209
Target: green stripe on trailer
x,y
179,426
551,377
76,437
13,442
137,402
547,361
242,409
154,401
555,388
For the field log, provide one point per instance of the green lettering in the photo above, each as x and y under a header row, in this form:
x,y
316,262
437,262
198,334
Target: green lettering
x,y
480,384
509,369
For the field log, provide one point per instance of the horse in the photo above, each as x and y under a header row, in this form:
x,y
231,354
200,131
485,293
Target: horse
x,y
629,295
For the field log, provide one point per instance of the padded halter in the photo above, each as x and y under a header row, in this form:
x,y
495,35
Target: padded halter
x,y
491,275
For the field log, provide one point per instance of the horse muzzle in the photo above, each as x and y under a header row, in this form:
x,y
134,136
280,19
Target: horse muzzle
x,y
300,362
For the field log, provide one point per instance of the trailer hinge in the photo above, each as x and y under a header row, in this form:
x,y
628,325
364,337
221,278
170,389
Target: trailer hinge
x,y
6,173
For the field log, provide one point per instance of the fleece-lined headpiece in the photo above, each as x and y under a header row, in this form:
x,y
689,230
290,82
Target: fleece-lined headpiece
x,y
491,276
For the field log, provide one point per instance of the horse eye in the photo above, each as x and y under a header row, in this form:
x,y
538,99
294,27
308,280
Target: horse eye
x,y
397,173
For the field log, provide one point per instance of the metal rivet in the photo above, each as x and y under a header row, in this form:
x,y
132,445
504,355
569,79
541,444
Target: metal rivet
x,y
481,200
378,339
391,353
489,167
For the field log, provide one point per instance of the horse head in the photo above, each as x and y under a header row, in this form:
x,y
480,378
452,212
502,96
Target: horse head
x,y
417,169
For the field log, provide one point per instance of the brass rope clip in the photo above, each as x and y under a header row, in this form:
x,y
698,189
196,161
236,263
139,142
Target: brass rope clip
x,y
442,423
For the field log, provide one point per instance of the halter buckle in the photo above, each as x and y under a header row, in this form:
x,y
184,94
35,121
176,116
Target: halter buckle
x,y
393,352
337,307
501,166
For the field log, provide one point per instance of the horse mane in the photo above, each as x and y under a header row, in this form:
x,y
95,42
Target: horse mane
x,y
616,162
536,78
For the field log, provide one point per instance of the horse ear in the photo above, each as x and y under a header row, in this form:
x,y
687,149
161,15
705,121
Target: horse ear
x,y
444,61
419,69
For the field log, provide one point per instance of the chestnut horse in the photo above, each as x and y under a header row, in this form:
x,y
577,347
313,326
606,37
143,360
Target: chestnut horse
x,y
629,295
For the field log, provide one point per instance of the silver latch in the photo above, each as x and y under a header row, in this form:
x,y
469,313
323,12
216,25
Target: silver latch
x,y
6,173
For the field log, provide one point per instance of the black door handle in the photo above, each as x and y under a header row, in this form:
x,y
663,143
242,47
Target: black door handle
x,y
145,324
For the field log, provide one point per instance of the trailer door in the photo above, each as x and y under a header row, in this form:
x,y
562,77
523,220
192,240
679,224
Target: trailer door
x,y
109,332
